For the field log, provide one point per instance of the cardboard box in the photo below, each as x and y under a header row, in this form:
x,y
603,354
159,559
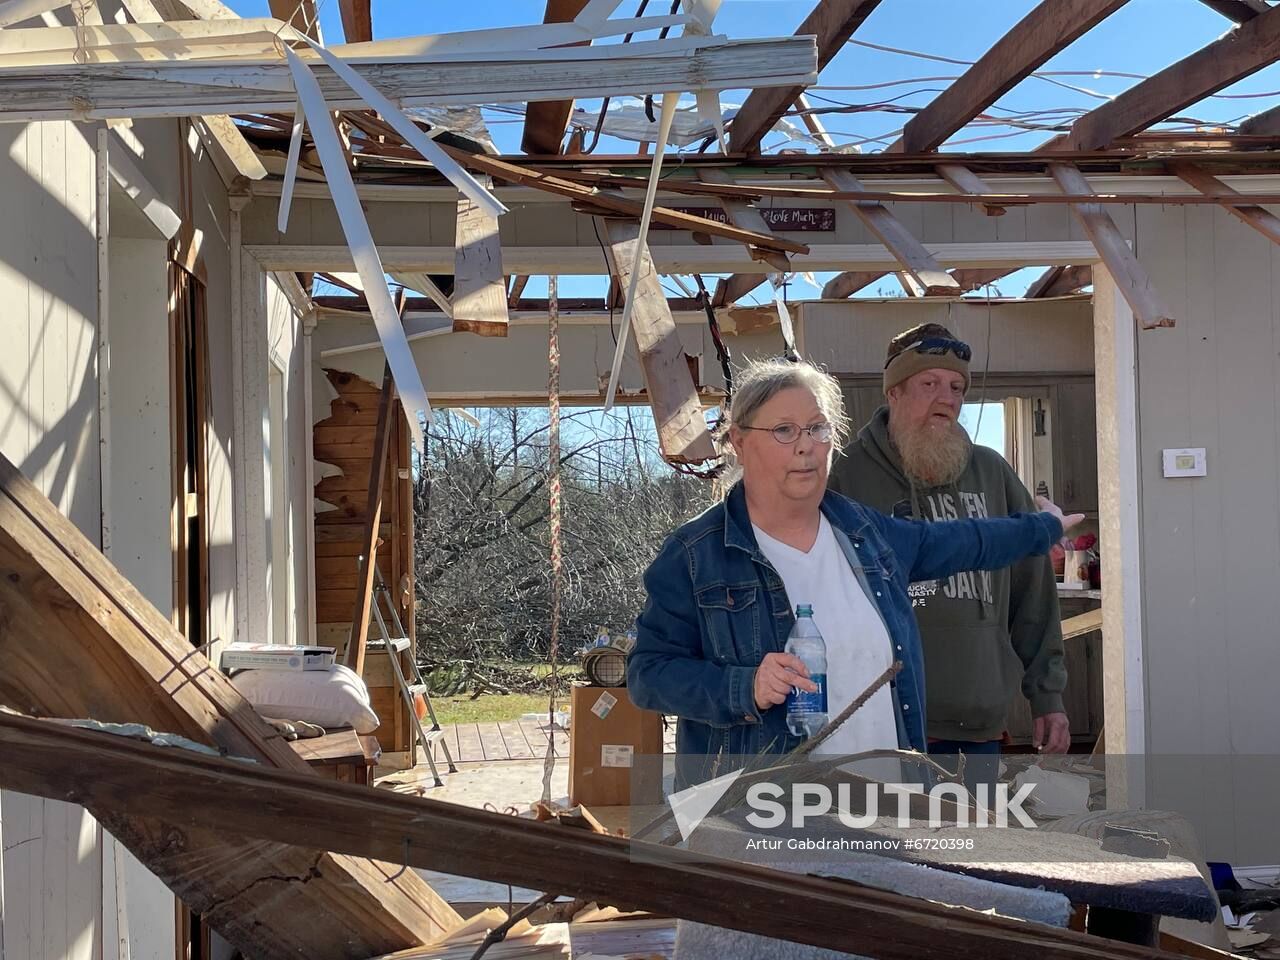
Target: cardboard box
x,y
275,656
607,732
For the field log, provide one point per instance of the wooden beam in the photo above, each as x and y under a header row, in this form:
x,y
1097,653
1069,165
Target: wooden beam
x,y
970,279
966,181
357,20
755,192
1048,28
1244,50
1264,124
906,249
299,14
542,180
517,288
1130,277
79,640
681,258
735,287
479,287
1060,281
51,760
546,122
1238,10
1261,219
910,286
742,214
230,142
102,91
682,429
833,22
382,440
1082,624
851,281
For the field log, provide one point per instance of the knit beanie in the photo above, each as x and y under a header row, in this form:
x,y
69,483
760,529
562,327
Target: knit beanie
x,y
902,363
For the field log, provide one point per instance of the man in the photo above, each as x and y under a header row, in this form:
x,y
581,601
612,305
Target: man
x,y
981,630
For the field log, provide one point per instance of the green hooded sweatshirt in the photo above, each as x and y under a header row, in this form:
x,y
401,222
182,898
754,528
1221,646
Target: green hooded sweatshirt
x,y
982,630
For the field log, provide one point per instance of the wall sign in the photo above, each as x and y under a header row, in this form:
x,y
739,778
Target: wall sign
x,y
782,219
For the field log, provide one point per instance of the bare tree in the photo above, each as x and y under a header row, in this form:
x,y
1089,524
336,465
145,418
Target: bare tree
x,y
482,551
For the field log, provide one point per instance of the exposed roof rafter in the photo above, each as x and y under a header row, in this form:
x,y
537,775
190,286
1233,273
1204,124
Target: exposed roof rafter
x,y
833,22
1244,50
1050,27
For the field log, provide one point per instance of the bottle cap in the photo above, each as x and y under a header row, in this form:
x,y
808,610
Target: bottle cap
x,y
804,610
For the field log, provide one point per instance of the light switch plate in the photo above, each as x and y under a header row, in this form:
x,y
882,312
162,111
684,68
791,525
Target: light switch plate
x,y
1185,462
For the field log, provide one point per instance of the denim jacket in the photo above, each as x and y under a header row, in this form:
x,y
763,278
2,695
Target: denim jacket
x,y
716,607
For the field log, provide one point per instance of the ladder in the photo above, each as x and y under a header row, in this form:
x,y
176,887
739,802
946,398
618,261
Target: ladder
x,y
395,644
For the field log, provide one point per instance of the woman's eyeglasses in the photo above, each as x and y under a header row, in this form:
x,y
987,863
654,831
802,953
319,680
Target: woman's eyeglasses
x,y
786,433
936,346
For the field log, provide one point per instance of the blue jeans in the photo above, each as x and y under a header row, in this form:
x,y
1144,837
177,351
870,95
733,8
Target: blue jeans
x,y
981,760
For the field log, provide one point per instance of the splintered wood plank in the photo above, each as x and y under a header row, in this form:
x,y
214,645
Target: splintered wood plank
x,y
48,760
851,281
1261,219
1130,277
479,286
833,22
1051,26
1233,56
682,429
79,640
888,229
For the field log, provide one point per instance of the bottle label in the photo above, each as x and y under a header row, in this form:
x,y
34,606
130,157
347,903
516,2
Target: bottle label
x,y
802,701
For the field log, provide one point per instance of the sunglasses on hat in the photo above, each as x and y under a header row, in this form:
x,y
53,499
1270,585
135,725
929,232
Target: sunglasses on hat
x,y
936,346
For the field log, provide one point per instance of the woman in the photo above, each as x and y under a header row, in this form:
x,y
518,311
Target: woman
x,y
723,590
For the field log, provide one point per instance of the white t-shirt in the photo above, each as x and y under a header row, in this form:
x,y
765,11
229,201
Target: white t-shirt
x,y
858,648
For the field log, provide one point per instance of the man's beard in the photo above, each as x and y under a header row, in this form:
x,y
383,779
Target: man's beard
x,y
933,456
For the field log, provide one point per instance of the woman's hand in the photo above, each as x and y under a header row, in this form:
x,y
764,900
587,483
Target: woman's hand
x,y
1068,521
776,675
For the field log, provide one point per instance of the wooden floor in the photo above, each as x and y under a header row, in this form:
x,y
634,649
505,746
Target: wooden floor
x,y
516,740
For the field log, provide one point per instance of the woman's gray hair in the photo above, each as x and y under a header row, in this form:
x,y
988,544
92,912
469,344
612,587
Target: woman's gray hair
x,y
760,380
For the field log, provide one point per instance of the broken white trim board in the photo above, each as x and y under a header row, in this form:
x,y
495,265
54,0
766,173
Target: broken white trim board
x,y
16,11
291,168
669,101
235,86
533,36
449,168
404,371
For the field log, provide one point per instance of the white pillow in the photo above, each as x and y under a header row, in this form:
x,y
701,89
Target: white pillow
x,y
335,697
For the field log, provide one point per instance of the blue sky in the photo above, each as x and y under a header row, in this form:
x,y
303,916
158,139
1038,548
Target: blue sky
x,y
1141,38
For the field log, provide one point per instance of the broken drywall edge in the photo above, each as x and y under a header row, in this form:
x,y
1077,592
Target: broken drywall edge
x,y
323,470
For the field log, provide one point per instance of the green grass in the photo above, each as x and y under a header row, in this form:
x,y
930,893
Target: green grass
x,y
492,707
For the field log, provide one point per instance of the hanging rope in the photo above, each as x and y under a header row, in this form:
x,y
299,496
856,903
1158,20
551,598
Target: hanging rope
x,y
557,558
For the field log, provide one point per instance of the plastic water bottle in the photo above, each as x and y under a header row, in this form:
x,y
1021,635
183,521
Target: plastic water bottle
x,y
807,712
